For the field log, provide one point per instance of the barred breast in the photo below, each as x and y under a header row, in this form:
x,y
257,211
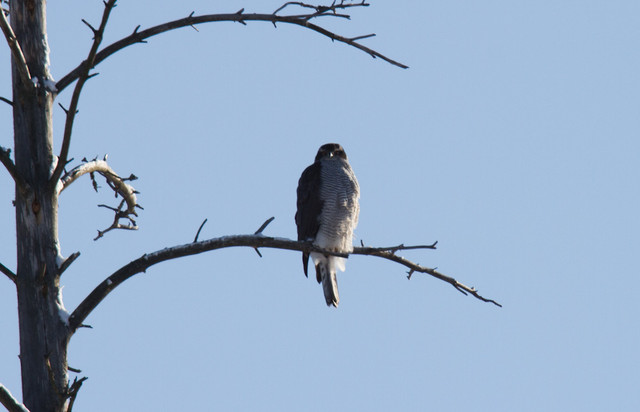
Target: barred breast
x,y
340,192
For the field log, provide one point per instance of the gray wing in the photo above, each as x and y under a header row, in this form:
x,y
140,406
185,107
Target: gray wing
x,y
309,207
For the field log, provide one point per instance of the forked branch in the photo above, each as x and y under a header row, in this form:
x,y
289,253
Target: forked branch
x,y
72,391
126,210
257,240
302,20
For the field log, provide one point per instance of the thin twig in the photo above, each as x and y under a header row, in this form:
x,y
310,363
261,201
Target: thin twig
x,y
414,267
82,76
73,391
321,9
120,213
299,20
67,262
254,241
264,225
5,159
199,229
16,51
394,249
7,101
12,276
260,230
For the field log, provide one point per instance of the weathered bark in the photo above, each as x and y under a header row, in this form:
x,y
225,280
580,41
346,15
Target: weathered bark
x,y
43,332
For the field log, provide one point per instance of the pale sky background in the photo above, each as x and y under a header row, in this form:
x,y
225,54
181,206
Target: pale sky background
x,y
513,140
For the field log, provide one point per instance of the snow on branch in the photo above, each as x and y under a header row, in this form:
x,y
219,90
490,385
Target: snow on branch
x,y
126,210
302,20
256,240
8,401
16,51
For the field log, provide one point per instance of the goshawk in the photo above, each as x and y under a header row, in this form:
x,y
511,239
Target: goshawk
x,y
327,214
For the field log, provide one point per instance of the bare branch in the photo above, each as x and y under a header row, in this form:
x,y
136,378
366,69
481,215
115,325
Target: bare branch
x,y
72,391
364,36
199,229
7,101
120,213
321,9
67,262
238,17
264,225
414,267
260,230
82,76
12,276
254,241
117,184
5,159
16,51
393,249
7,400
102,167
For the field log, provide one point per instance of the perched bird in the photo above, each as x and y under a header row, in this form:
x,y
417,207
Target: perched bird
x,y
327,214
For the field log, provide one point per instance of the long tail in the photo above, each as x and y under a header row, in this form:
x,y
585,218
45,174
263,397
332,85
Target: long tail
x,y
326,273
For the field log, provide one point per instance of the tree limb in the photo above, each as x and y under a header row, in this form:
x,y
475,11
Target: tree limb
x,y
67,262
16,51
12,276
254,241
389,254
5,159
239,17
7,400
120,213
82,76
72,391
117,184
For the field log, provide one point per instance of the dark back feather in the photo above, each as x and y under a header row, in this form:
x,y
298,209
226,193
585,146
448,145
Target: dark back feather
x,y
309,207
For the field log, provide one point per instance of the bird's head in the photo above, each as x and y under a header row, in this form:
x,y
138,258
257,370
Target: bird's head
x,y
330,151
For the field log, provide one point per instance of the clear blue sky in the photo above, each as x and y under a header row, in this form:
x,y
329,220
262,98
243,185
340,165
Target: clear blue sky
x,y
513,140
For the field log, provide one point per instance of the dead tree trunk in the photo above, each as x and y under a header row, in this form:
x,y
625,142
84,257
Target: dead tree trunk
x,y
43,330
45,326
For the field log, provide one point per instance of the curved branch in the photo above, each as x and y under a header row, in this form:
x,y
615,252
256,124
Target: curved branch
x,y
239,17
254,241
116,183
82,76
8,401
16,51
119,185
